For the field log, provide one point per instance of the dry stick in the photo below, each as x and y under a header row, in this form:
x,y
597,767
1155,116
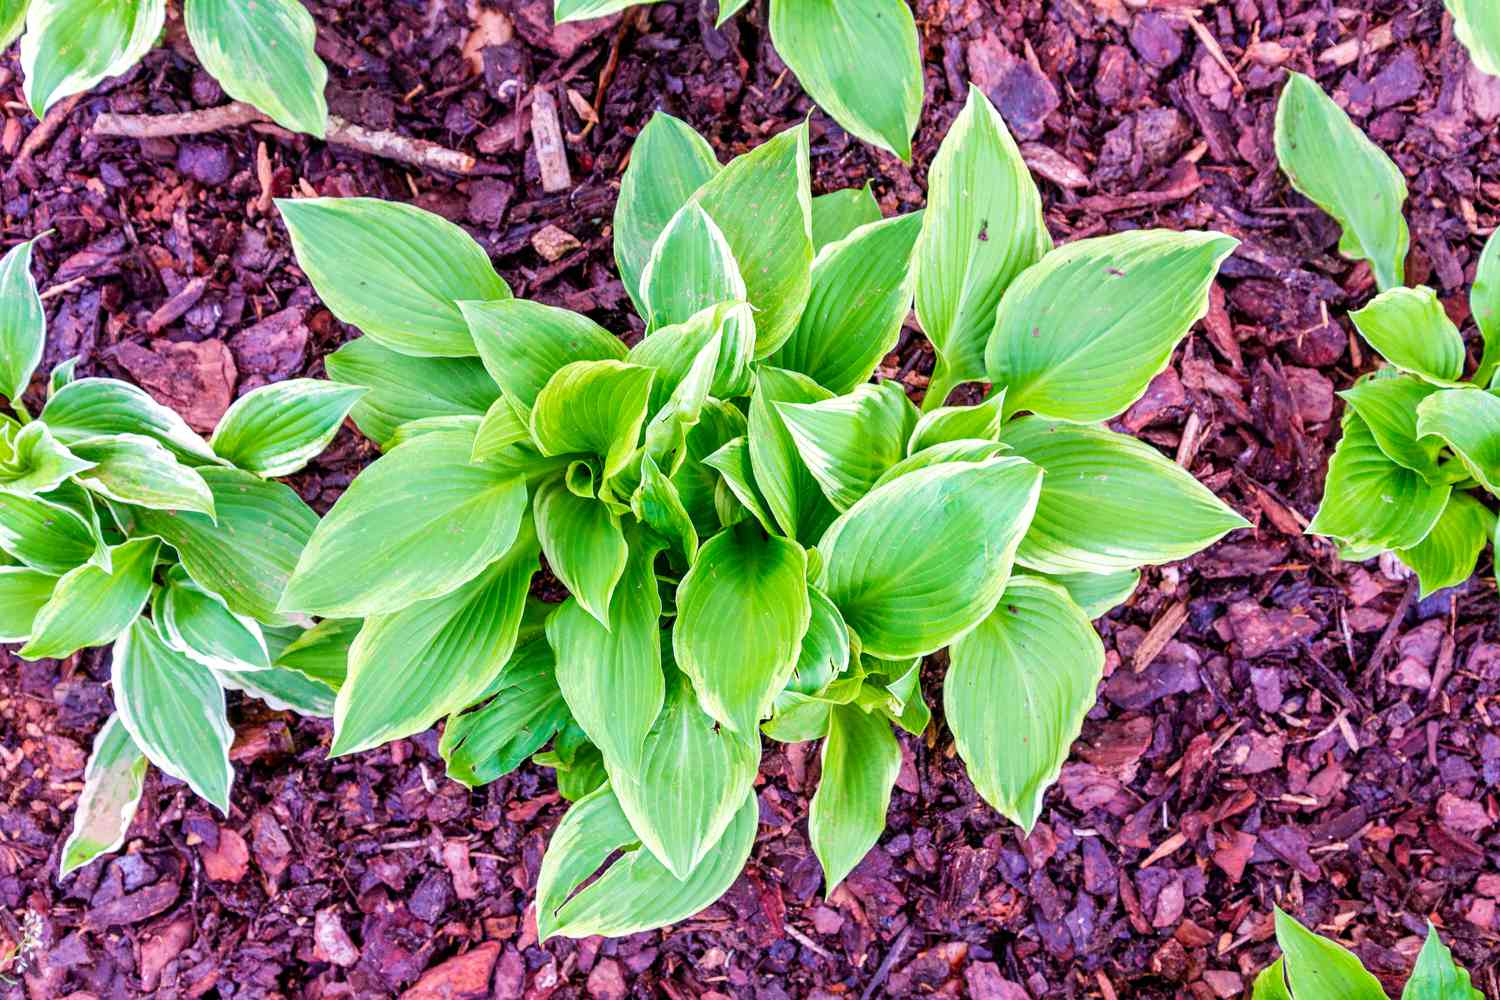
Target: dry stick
x,y
417,152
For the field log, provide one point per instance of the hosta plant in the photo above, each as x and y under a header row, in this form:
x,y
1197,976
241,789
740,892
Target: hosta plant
x,y
120,526
1313,967
756,538
260,51
1477,25
1419,459
860,60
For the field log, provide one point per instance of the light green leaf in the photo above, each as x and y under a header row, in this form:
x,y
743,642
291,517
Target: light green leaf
x,y
691,782
982,421
861,294
595,408
582,10
1328,159
403,389
414,525
199,624
798,718
690,269
1387,402
32,461
62,374
100,407
322,652
70,45
1271,983
636,893
762,203
962,450
737,488
741,613
905,705
1476,25
410,668
12,20
657,505
499,428
1484,303
825,650
1317,967
173,710
584,545
1017,691
278,428
23,324
53,533
524,344
112,785
1110,502
666,433
697,481
860,60
23,592
138,470
612,678
792,493
1410,330
1080,335
924,558
982,227
839,213
262,53
394,270
1449,553
1097,593
847,442
1368,500
1436,976
249,556
674,350
728,8
668,162
282,690
91,606
861,759
487,741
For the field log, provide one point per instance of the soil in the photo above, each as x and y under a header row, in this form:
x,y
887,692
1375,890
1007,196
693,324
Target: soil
x,y
1277,727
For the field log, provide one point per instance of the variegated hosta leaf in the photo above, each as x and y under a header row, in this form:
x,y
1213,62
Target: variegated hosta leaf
x,y
584,545
12,20
847,442
278,428
690,268
23,592
112,784
138,470
861,759
1097,593
32,461
792,492
23,325
981,421
1477,25
839,213
90,606
105,407
70,45
1410,330
54,532
1368,500
262,53
198,623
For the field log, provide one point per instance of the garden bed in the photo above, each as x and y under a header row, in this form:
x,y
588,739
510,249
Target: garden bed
x,y
1276,726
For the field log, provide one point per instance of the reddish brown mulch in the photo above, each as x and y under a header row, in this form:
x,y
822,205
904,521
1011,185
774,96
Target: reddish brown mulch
x,y
1277,726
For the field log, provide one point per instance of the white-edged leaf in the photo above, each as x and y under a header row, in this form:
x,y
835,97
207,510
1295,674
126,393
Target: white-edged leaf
x,y
91,606
23,324
70,45
278,428
261,52
112,785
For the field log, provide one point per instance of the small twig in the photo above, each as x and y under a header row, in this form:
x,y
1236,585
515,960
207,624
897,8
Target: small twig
x,y
885,966
417,152
806,942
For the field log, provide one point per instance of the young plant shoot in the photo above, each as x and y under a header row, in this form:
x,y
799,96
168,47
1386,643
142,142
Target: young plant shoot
x,y
260,51
860,60
756,538
1420,450
120,526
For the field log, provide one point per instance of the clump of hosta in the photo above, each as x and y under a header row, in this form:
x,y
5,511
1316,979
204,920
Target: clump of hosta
x,y
757,538
120,525
1420,450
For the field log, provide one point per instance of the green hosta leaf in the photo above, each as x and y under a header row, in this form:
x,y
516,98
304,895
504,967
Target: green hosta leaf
x,y
322,652
584,545
101,407
173,710
923,559
1484,303
414,525
692,780
112,785
904,704
395,271
1110,502
262,53
839,213
499,428
741,613
489,740
1410,330
582,10
91,606
282,690
32,461
1017,691
762,203
847,442
1328,159
593,407
657,505
23,592
134,469
696,480
690,269
1368,500
403,389
981,421
798,718
860,60
860,761
674,350
70,45
1080,335
12,20
861,294
1477,26
249,556
1387,402
668,162
53,533
824,653
199,624
737,491
1468,421
1271,983
665,439
962,450
612,677
410,668
728,8
1098,593
23,324
1447,556
62,374
277,429
1436,976
982,227
792,493
636,893
1317,967
524,344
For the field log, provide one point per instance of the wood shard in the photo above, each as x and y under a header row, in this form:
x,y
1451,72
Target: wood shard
x,y
546,136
